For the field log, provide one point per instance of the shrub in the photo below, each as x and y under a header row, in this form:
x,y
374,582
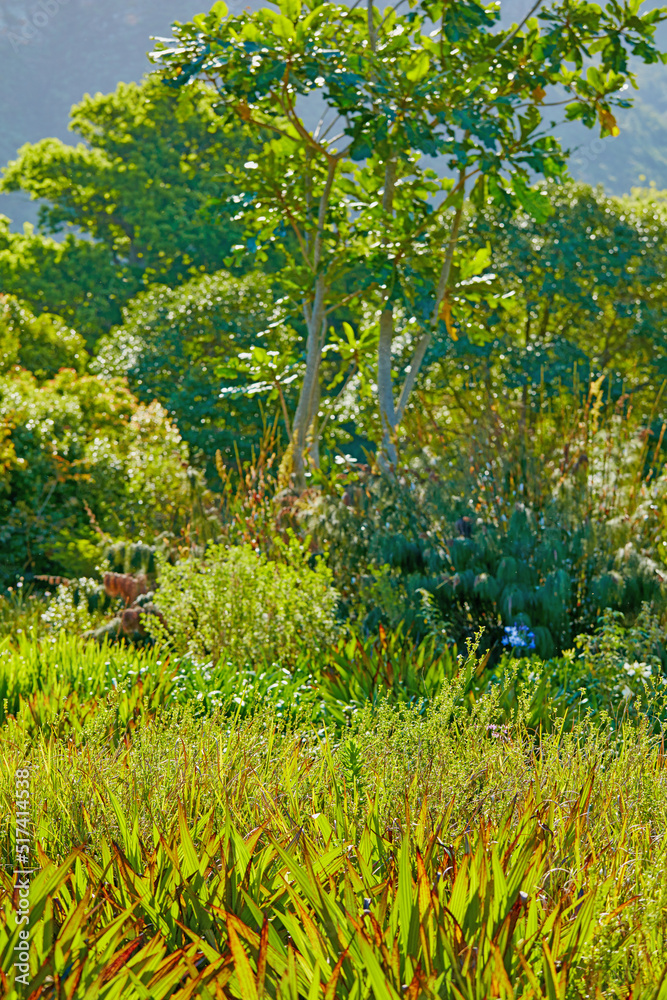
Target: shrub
x,y
172,341
616,667
69,610
237,604
545,538
82,461
41,344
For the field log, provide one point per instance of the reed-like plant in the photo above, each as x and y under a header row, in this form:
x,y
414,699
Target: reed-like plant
x,y
434,855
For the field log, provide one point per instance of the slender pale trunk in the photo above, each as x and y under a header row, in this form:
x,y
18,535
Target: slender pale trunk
x,y
305,418
388,454
310,387
392,414
313,436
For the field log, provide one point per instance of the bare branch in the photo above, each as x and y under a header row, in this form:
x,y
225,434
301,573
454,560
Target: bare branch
x,y
425,340
321,215
519,26
321,136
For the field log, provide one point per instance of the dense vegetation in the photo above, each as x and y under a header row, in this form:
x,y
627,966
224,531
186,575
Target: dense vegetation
x,y
332,520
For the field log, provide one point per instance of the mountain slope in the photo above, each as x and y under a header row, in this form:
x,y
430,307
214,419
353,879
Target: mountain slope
x,y
54,51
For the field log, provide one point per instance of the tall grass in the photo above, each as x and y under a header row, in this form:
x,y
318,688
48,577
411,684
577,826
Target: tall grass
x,y
427,852
62,670
21,611
382,822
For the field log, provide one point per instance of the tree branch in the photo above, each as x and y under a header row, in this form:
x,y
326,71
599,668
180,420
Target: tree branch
x,y
425,340
372,32
518,28
322,213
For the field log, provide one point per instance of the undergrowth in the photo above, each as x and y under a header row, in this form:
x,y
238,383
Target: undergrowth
x,y
313,842
441,853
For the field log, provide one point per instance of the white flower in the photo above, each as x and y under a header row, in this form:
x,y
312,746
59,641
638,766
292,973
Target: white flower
x,y
627,692
643,669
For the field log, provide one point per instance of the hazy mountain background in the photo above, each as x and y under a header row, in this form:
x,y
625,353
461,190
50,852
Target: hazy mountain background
x,y
54,51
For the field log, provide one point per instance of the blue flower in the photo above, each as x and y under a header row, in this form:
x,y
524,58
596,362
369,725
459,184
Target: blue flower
x,y
519,637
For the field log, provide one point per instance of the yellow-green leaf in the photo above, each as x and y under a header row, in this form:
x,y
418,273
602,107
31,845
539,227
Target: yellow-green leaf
x,y
419,67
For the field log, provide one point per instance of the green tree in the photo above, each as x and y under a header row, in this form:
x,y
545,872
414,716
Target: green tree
x,y
171,343
41,344
592,275
137,187
74,279
81,461
370,216
584,298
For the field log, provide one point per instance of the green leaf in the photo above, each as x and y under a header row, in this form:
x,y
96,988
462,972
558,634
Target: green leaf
x,y
190,856
533,200
382,988
405,889
419,67
283,27
219,10
291,9
226,371
475,265
242,966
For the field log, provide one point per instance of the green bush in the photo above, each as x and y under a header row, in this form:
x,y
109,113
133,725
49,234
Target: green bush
x,y
41,344
74,608
238,605
81,462
544,533
613,670
172,341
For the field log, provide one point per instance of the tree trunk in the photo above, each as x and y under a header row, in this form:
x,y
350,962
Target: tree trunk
x,y
313,433
315,316
388,454
392,414
315,321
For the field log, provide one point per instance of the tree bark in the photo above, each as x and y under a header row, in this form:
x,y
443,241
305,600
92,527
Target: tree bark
x,y
313,433
392,414
388,454
315,322
315,316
